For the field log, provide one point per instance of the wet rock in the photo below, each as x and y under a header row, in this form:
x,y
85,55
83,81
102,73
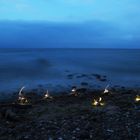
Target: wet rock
x,y
70,76
103,79
84,83
100,77
97,76
81,90
82,76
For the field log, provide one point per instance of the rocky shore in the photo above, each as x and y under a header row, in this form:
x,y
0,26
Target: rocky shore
x,y
73,117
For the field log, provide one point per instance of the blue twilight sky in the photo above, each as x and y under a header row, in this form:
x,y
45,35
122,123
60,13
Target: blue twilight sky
x,y
70,23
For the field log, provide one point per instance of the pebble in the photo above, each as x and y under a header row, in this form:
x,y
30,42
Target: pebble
x,y
109,130
60,138
77,129
26,137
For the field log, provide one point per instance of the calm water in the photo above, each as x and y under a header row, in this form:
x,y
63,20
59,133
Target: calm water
x,y
50,67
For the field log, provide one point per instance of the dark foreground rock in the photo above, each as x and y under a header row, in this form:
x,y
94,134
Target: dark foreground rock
x,y
74,118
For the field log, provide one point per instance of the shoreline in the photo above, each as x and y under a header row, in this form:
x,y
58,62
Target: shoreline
x,y
40,91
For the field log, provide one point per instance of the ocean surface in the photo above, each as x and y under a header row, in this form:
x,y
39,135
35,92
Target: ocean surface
x,y
57,69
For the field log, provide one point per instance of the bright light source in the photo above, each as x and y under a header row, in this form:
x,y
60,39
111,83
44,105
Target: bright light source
x,y
137,99
106,89
98,102
47,96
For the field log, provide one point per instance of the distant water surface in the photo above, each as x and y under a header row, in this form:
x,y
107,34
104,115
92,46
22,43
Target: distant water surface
x,y
51,67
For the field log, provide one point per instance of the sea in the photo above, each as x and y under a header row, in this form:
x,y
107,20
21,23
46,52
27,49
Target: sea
x,y
58,69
